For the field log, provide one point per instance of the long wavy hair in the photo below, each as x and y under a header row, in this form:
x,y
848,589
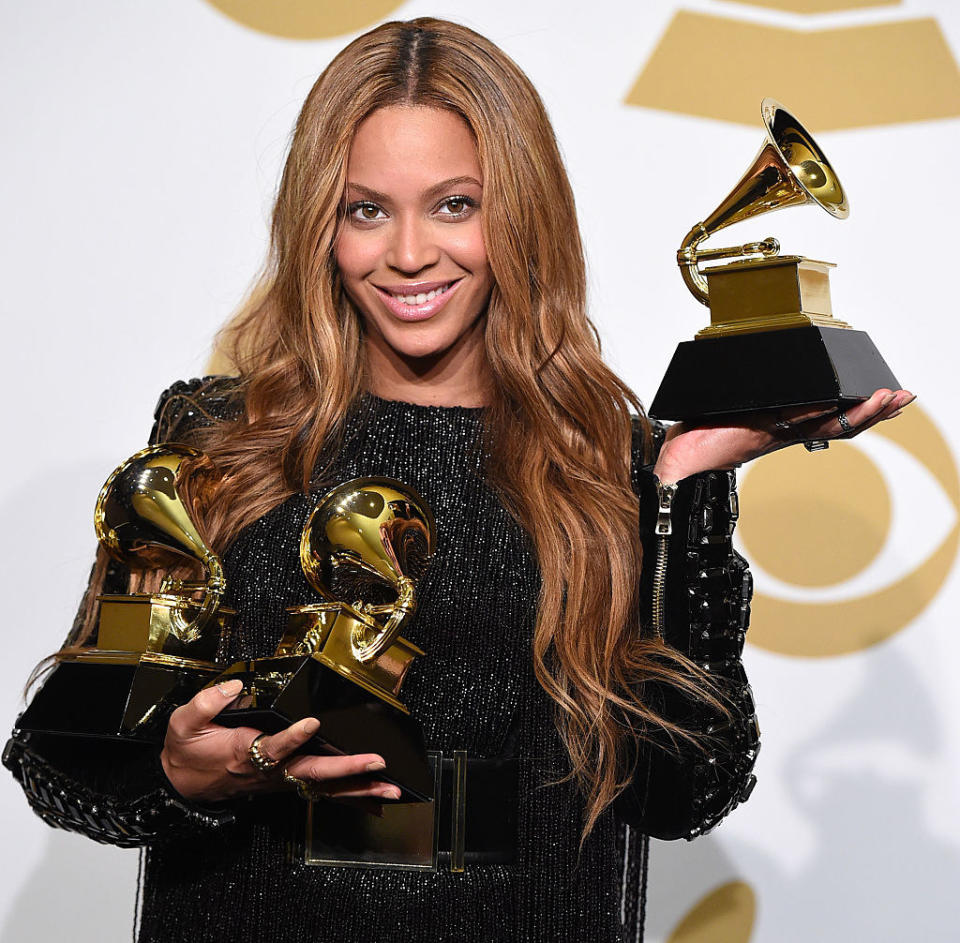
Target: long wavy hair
x,y
558,426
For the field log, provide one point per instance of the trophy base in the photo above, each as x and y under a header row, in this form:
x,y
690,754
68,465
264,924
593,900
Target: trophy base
x,y
771,370
279,691
87,697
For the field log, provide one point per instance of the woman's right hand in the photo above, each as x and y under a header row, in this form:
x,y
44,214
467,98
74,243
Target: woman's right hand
x,y
206,762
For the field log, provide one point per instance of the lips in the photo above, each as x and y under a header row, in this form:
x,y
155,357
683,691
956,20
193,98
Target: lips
x,y
417,312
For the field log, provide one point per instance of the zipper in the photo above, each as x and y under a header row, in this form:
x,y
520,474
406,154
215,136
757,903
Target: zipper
x,y
663,530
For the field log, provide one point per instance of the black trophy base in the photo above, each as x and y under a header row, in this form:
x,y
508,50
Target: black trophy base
x,y
771,370
89,699
352,719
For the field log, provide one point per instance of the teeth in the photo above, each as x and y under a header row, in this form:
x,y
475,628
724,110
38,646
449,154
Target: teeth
x,y
422,297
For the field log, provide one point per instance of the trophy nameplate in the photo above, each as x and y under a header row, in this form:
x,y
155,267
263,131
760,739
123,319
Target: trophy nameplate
x,y
152,651
772,341
343,662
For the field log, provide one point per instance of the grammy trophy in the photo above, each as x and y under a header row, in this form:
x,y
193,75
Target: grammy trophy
x,y
772,341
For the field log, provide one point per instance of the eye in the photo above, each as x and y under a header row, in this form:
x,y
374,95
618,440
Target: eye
x,y
365,211
457,206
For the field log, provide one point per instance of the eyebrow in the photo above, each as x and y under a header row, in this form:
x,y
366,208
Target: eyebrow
x,y
435,190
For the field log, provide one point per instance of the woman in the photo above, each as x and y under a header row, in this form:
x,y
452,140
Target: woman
x,y
422,316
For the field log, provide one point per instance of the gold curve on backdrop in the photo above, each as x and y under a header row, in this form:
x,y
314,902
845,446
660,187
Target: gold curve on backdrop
x,y
725,915
306,19
822,629
855,76
819,6
805,525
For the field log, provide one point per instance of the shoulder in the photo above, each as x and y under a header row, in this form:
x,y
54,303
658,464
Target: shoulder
x,y
189,405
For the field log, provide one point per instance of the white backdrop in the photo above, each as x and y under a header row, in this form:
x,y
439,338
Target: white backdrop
x,y
141,147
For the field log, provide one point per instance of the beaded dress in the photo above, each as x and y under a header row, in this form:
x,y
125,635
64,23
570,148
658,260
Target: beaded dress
x,y
234,872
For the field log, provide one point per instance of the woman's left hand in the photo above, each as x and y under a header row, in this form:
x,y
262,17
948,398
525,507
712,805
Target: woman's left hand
x,y
731,441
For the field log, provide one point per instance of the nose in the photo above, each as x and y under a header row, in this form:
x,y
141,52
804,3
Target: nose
x,y
412,246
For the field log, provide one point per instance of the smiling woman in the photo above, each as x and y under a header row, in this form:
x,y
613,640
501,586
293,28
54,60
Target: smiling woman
x,y
412,257
422,316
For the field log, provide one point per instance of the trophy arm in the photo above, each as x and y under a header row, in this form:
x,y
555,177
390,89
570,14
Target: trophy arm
x,y
689,258
400,611
190,630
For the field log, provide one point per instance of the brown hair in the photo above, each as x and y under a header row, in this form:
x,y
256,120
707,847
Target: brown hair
x,y
558,427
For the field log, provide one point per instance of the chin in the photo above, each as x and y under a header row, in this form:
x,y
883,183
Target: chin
x,y
420,341
420,348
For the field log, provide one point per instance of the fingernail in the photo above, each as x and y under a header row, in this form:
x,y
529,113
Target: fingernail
x,y
375,765
391,792
887,400
894,415
907,402
230,688
311,726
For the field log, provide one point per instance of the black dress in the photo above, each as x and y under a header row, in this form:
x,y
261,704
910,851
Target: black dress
x,y
235,872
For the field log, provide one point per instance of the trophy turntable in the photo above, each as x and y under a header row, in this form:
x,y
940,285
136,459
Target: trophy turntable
x,y
772,341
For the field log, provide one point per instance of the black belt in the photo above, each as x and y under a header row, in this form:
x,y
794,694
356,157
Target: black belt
x,y
472,820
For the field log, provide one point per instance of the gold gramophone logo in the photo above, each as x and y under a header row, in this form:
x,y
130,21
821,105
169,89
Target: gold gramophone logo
x,y
848,76
850,555
306,19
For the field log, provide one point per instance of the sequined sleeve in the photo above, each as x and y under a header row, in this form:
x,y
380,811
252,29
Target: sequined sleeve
x,y
190,405
117,793
679,790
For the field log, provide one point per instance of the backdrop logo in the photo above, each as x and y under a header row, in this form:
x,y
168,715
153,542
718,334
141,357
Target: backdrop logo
x,y
838,545
725,915
855,76
819,6
306,19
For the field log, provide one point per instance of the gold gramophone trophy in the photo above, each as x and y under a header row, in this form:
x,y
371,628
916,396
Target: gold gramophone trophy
x,y
772,341
151,650
343,660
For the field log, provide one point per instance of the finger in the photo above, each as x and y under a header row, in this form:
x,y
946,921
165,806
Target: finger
x,y
890,406
280,745
335,767
351,787
862,413
201,709
859,417
800,414
372,791
888,412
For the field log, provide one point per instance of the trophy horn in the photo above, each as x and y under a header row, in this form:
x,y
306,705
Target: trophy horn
x,y
138,507
365,538
789,170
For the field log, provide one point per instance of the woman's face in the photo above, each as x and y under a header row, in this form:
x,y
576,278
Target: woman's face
x,y
411,251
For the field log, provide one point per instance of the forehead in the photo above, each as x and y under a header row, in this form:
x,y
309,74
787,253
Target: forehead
x,y
404,148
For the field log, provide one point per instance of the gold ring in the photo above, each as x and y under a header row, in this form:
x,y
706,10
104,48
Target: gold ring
x,y
307,791
260,760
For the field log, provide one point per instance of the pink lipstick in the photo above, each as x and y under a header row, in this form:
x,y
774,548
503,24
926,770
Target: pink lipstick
x,y
417,312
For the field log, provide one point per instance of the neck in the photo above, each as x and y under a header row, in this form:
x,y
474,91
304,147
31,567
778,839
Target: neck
x,y
459,376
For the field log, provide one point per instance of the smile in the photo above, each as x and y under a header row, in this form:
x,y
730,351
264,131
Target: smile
x,y
420,305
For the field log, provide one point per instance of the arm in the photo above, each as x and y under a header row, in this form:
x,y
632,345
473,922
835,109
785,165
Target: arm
x,y
130,794
678,790
113,791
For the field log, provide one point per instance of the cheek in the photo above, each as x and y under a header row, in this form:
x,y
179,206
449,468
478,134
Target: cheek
x,y
468,249
356,256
